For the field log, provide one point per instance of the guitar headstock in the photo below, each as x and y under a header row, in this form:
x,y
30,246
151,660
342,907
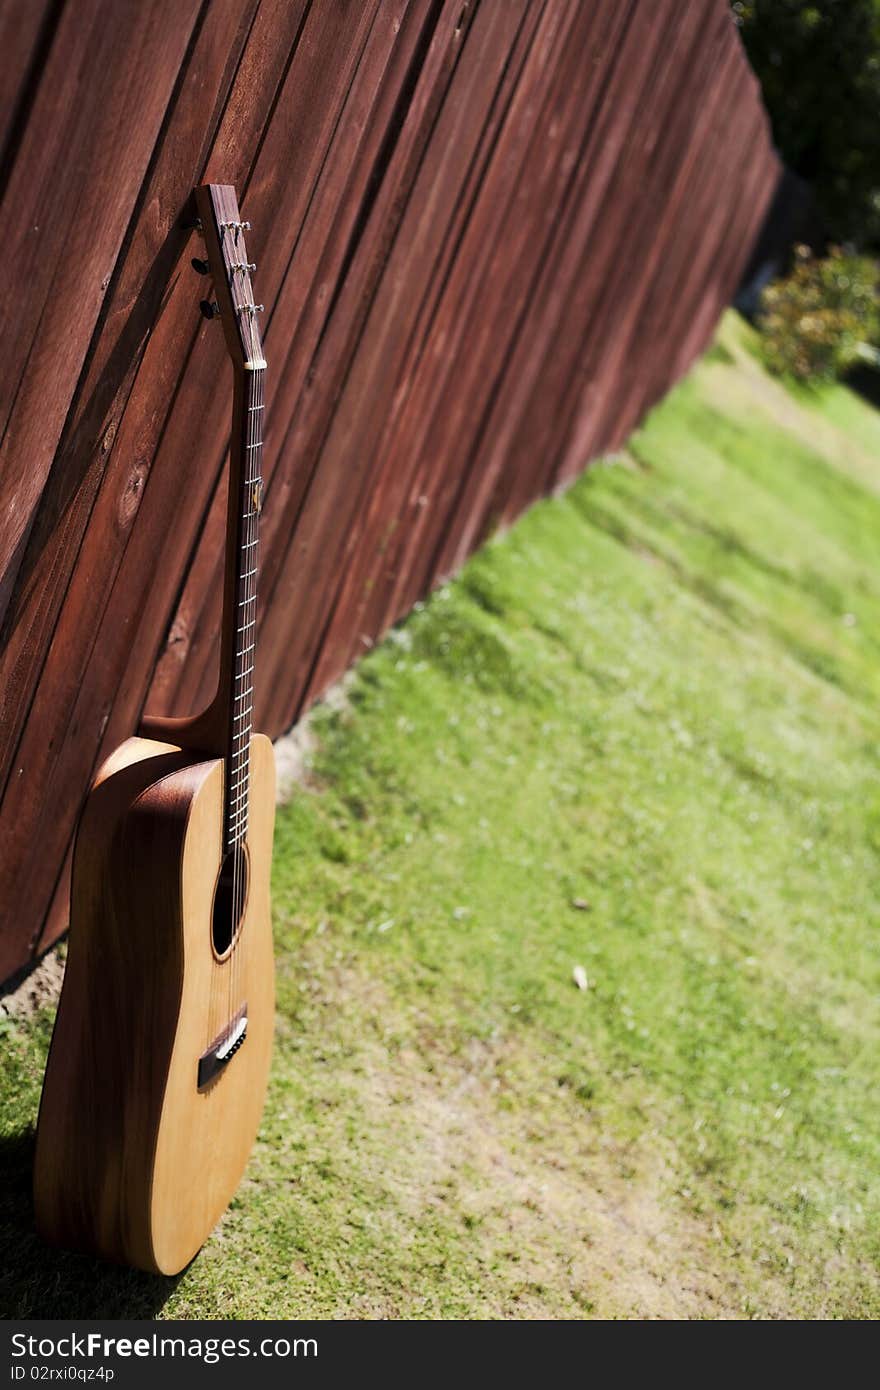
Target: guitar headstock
x,y
227,261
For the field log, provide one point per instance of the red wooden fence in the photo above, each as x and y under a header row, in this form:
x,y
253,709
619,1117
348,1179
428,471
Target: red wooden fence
x,y
490,233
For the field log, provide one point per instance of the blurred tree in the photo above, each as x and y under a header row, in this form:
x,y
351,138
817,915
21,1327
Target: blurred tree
x,y
823,318
818,62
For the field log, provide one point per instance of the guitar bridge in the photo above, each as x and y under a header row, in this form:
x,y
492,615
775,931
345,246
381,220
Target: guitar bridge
x,y
223,1049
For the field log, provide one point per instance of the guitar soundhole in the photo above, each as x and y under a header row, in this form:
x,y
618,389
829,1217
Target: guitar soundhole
x,y
230,899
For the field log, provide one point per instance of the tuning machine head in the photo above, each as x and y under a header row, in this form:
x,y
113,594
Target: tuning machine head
x,y
230,266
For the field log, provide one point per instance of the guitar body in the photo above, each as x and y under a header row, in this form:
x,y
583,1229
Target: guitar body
x,y
145,1123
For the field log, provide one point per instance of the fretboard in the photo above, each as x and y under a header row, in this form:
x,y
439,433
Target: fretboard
x,y
244,611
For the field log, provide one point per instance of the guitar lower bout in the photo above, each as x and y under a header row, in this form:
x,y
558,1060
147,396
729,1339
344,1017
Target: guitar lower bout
x,y
160,1056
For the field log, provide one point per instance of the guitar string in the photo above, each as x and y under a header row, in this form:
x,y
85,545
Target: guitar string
x,y
239,721
253,561
238,718
239,806
237,814
237,709
237,778
250,534
252,564
232,846
218,982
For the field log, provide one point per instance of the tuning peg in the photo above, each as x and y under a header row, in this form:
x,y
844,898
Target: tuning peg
x,y
201,266
209,309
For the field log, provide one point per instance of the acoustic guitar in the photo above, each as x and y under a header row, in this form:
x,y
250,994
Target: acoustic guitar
x,y
160,1056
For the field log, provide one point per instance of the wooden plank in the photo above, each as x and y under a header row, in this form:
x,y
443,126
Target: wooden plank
x,y
562,271
623,249
26,33
649,243
94,123
574,310
86,459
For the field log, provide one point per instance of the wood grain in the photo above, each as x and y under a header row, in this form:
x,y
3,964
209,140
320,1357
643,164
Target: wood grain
x,y
133,1162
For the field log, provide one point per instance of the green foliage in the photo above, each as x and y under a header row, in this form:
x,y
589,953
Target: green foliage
x,y
822,318
818,62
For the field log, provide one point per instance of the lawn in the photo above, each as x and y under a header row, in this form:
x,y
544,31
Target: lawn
x,y
637,740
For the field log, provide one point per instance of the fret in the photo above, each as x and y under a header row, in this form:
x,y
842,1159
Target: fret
x,y
238,654
242,637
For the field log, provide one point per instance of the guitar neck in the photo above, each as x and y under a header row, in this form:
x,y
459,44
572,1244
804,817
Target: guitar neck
x,y
238,651
223,730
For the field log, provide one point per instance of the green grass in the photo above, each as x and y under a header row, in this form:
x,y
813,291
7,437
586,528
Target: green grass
x,y
639,734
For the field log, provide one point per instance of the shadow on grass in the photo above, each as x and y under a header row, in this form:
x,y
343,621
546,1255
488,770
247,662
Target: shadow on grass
x,y
39,1281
